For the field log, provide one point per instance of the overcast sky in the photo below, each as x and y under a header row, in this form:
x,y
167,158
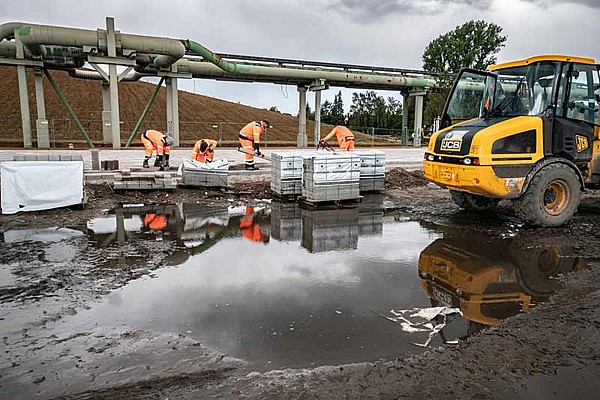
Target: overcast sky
x,y
390,33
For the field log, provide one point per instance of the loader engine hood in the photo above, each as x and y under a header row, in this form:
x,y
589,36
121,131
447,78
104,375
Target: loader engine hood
x,y
457,140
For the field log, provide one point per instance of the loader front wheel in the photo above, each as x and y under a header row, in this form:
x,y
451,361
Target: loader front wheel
x,y
551,198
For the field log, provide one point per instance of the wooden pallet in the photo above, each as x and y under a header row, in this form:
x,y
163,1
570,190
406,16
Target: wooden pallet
x,y
314,205
285,198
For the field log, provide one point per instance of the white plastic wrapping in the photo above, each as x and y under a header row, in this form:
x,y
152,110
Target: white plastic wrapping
x,y
40,185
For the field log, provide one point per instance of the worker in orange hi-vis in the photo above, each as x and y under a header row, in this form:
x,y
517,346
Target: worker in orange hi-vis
x,y
204,150
159,142
250,140
344,136
249,229
155,222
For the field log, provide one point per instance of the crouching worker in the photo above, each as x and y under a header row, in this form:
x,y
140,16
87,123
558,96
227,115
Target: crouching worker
x,y
159,142
250,229
204,150
250,140
344,136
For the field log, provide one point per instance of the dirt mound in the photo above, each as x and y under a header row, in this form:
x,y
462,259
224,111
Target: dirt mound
x,y
401,178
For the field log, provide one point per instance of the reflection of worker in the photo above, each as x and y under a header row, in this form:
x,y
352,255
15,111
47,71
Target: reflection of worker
x,y
159,142
250,140
249,229
344,136
155,222
204,150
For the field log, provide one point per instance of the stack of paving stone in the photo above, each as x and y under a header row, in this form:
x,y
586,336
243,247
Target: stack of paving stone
x,y
372,170
286,172
47,157
127,180
327,230
214,174
331,177
286,222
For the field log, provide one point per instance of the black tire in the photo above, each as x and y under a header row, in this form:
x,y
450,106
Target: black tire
x,y
551,198
470,201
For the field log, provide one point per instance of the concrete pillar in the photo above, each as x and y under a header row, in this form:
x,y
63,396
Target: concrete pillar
x,y
121,234
106,115
23,94
418,119
173,109
41,123
302,139
404,118
317,117
113,85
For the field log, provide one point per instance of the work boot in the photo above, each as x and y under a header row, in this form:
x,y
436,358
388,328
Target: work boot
x,y
251,167
145,164
158,161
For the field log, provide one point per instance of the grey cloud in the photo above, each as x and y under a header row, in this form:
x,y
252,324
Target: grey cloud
x,y
547,3
373,10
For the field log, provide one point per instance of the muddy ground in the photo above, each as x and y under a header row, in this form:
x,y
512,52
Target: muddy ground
x,y
549,352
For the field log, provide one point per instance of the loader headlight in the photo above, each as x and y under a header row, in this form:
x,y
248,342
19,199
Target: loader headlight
x,y
470,161
429,157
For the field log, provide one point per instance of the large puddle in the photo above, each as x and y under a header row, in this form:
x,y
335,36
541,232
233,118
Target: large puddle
x,y
280,286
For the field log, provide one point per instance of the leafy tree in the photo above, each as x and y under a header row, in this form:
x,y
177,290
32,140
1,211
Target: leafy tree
x,y
274,109
368,110
474,44
333,113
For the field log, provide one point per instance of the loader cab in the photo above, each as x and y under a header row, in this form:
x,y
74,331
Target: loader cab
x,y
563,91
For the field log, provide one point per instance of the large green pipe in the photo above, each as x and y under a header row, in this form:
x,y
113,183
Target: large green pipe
x,y
296,74
68,107
145,112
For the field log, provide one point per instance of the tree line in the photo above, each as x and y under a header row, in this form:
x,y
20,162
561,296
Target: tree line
x,y
475,44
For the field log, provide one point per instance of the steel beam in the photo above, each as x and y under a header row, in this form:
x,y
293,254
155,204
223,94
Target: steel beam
x,y
111,60
41,123
173,109
106,114
418,119
113,84
25,63
404,117
100,71
23,95
145,112
302,139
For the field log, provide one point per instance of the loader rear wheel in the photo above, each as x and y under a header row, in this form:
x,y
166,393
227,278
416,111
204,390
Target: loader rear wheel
x,y
470,201
551,198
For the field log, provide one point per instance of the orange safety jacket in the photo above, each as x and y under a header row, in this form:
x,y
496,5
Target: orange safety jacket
x,y
155,222
342,135
157,140
248,228
204,150
252,131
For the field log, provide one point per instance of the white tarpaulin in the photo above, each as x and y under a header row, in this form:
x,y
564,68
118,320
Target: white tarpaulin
x,y
40,185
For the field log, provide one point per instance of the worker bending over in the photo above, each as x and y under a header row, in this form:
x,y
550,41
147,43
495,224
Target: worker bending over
x,y
250,229
250,140
204,150
159,142
344,136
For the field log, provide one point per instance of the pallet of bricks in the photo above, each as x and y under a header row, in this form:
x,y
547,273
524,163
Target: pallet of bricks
x,y
331,177
214,174
286,222
372,170
127,180
286,173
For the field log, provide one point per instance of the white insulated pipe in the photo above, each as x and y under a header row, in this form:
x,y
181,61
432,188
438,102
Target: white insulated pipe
x,y
169,50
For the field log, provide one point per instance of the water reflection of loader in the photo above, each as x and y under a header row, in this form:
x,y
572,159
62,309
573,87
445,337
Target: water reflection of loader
x,y
490,281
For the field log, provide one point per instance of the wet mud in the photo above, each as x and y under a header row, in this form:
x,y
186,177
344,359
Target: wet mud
x,y
79,289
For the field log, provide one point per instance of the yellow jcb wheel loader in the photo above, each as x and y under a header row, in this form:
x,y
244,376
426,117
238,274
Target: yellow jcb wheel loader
x,y
527,131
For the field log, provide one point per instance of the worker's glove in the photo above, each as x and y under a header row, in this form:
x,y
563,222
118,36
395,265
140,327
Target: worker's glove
x,y
257,149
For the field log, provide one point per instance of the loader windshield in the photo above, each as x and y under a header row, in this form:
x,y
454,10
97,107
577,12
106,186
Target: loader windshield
x,y
524,90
